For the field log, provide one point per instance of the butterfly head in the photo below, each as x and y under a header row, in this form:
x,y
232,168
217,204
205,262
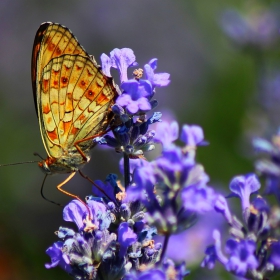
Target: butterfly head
x,y
64,164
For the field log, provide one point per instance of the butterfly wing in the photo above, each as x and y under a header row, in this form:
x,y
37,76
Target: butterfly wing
x,y
72,95
51,40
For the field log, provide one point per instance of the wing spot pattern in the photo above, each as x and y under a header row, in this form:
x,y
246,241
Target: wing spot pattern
x,y
45,85
64,80
58,51
102,99
53,135
46,109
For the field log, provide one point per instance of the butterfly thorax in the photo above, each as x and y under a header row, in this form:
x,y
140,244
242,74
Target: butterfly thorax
x,y
64,164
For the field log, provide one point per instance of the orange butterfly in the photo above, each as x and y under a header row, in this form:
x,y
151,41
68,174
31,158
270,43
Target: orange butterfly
x,y
72,99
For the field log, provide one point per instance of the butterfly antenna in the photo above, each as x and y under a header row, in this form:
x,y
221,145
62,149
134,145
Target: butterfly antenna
x,y
37,155
42,193
16,163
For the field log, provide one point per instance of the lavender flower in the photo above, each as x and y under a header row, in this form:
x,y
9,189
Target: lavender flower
x,y
249,251
173,189
257,29
116,228
103,246
132,135
269,166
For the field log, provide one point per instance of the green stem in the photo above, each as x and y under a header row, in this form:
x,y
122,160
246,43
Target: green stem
x,y
126,170
166,239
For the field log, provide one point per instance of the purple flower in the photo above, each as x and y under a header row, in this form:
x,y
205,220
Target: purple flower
x,y
106,64
173,165
126,237
136,96
55,253
210,258
120,59
159,79
151,274
167,133
109,187
274,257
221,206
75,212
133,106
258,29
192,135
269,166
243,187
198,199
144,181
242,256
214,252
194,239
135,163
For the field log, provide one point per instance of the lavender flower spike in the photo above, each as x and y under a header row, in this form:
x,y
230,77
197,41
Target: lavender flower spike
x,y
244,186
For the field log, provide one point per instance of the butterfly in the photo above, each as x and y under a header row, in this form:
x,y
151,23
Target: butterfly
x,y
72,99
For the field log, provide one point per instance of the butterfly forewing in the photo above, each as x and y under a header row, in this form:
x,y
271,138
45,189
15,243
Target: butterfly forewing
x,y
72,96
51,40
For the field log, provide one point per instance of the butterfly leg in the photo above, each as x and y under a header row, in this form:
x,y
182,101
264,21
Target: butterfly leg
x,y
59,187
76,144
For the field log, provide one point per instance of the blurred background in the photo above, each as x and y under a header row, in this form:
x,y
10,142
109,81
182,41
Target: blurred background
x,y
223,57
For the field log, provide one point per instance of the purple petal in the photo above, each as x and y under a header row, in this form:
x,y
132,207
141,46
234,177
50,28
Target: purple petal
x,y
153,63
244,186
106,64
121,60
192,135
75,211
222,207
130,87
161,79
55,254
134,163
132,107
156,79
144,104
275,254
242,257
198,199
153,274
167,133
144,90
126,237
218,247
123,100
